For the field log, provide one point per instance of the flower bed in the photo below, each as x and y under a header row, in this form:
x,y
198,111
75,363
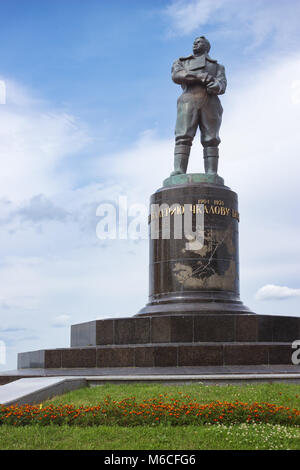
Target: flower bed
x,y
161,410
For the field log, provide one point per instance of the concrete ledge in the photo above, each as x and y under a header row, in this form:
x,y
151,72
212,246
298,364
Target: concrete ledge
x,y
218,379
36,390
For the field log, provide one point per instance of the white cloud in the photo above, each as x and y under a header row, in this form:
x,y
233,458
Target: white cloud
x,y
258,21
140,169
2,92
40,208
61,321
271,292
187,16
34,139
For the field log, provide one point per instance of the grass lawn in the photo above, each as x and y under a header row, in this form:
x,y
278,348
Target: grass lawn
x,y
281,394
163,437
238,437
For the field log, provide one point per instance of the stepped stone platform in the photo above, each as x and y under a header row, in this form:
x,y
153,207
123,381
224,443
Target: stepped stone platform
x,y
186,328
173,341
163,355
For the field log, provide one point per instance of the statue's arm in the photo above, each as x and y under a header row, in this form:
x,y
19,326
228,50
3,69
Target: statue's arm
x,y
218,84
181,76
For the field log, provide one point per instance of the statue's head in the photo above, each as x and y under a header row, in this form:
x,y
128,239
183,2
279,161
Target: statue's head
x,y
201,45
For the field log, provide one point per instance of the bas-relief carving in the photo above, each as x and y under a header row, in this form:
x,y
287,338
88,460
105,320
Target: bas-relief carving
x,y
209,274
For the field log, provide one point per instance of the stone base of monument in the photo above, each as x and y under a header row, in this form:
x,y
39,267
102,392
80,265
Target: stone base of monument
x,y
173,341
194,256
194,317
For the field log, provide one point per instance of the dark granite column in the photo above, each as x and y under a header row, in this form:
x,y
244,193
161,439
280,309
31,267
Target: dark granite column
x,y
189,275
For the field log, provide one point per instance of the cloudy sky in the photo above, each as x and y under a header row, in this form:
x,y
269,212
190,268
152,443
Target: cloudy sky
x,y
89,117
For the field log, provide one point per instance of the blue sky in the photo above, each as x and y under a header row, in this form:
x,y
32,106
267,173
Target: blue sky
x,y
90,116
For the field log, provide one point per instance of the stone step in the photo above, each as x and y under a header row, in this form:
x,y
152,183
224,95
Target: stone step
x,y
186,328
37,389
6,379
160,355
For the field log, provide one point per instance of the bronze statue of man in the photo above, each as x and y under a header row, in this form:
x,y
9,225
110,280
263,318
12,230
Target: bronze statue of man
x,y
201,79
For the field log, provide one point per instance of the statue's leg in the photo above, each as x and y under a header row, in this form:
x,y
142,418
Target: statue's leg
x,y
210,123
186,127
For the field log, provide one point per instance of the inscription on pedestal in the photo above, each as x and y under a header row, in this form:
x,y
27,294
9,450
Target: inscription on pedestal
x,y
202,206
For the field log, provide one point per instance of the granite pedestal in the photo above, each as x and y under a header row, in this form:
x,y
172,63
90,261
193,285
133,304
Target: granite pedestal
x,y
196,271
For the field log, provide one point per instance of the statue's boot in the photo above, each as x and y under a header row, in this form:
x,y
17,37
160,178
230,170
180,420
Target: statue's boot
x,y
181,159
211,159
